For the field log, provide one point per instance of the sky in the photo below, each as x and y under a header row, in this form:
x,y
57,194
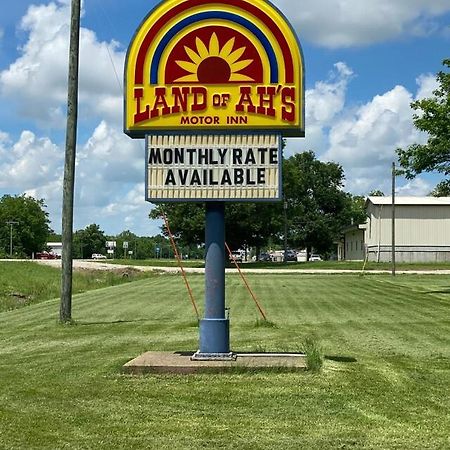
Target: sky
x,y
365,63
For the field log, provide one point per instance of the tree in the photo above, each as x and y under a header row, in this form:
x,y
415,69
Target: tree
x,y
31,231
376,193
146,247
252,224
186,221
316,204
442,189
433,118
317,209
88,241
355,210
246,224
125,236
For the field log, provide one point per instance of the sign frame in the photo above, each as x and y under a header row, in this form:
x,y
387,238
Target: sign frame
x,y
202,199
299,72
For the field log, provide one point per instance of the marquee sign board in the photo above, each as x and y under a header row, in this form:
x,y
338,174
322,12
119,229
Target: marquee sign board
x,y
207,168
203,66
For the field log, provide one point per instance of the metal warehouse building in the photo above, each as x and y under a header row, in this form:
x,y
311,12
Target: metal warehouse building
x,y
422,229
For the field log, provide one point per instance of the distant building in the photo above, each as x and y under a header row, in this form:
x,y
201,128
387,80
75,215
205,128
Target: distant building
x,y
352,247
422,229
55,247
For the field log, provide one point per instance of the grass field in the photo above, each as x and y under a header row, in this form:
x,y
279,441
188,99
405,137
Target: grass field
x,y
385,382
25,283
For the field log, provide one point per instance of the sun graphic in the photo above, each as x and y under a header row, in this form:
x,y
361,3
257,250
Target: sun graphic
x,y
214,65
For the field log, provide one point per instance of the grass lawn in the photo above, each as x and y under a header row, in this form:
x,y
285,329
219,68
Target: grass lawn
x,y
385,383
25,283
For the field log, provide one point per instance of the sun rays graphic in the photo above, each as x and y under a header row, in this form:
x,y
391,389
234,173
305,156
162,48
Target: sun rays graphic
x,y
214,65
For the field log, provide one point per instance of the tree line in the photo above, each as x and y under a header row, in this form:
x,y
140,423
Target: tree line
x,y
25,231
315,208
93,240
313,211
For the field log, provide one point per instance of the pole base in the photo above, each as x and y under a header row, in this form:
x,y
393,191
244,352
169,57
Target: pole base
x,y
215,336
199,356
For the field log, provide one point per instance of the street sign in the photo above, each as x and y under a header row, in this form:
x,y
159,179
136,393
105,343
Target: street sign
x,y
125,244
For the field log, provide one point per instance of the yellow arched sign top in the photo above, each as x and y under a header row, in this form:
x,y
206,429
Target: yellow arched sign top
x,y
214,66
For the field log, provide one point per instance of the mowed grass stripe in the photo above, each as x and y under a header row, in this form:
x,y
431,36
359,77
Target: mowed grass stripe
x,y
61,385
419,303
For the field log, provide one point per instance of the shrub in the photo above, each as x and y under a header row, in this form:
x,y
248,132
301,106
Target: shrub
x,y
313,352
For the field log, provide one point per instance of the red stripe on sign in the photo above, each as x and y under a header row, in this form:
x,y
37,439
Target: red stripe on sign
x,y
163,20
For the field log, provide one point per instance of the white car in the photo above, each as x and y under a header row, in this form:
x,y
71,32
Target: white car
x,y
236,256
315,258
98,256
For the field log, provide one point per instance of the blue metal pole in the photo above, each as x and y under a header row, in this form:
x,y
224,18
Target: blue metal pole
x,y
214,328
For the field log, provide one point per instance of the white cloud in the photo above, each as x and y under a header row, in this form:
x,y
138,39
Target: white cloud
x,y
348,23
416,187
109,182
107,162
364,139
133,211
427,84
371,135
29,162
328,98
33,166
37,80
323,104
109,188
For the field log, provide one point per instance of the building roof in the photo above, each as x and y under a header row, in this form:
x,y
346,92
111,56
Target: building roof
x,y
353,227
431,201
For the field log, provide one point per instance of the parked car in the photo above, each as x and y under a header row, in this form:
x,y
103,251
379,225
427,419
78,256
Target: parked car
x,y
98,256
264,257
291,255
314,257
46,255
236,256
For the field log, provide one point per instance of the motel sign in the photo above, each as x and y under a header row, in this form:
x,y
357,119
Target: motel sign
x,y
213,87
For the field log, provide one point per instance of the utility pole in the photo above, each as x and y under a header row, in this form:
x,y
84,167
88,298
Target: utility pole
x,y
11,223
285,230
65,312
393,219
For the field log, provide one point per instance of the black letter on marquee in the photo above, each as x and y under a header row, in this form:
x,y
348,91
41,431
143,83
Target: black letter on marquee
x,y
273,156
238,176
237,156
226,179
154,156
183,174
261,176
170,179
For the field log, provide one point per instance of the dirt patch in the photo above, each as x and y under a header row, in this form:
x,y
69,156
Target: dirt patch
x,y
19,298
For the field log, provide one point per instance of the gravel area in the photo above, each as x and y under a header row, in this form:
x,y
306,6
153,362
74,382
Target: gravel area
x,y
97,265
